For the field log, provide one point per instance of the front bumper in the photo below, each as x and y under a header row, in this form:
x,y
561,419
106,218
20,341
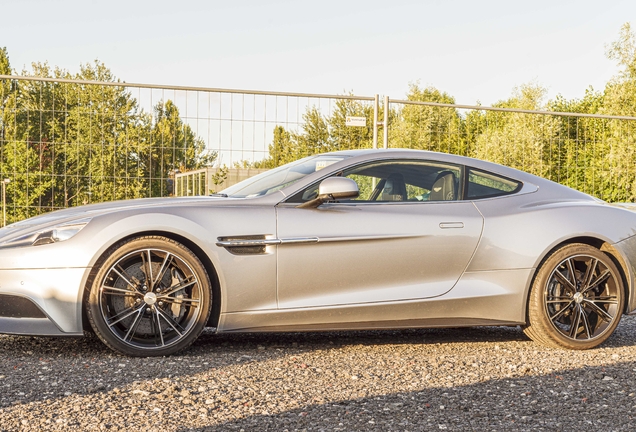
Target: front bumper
x,y
56,293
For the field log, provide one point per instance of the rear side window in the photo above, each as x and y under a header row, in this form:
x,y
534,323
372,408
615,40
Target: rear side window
x,y
482,184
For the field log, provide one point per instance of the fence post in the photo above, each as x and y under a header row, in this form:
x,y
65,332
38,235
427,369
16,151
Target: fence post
x,y
386,122
376,108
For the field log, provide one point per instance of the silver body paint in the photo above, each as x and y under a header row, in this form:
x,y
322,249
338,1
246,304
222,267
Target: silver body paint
x,y
338,266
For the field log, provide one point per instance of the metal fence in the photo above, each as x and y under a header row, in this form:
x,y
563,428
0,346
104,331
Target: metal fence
x,y
593,153
211,180
68,142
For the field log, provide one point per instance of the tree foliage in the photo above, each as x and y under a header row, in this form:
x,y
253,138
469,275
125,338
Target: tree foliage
x,y
66,144
321,133
595,155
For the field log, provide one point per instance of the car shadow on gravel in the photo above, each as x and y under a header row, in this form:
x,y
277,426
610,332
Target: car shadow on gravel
x,y
587,398
429,336
37,368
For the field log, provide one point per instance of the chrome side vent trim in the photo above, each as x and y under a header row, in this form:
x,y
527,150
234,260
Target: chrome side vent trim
x,y
256,244
245,245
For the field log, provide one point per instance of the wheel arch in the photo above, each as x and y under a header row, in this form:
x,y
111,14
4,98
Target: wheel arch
x,y
195,248
597,243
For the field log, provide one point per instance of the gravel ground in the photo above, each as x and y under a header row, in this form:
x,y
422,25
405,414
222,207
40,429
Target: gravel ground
x,y
456,379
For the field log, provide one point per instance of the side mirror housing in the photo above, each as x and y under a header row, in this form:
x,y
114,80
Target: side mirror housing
x,y
333,188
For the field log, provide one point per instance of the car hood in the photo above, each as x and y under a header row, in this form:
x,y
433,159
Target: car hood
x,y
91,210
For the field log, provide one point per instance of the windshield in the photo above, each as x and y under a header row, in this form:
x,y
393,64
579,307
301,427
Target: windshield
x,y
278,178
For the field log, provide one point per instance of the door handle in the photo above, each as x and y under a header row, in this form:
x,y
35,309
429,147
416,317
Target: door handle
x,y
445,225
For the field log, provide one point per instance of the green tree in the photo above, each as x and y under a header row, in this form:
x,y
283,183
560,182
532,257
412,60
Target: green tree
x,y
65,144
5,69
343,137
618,147
321,133
173,145
518,140
427,127
282,150
578,143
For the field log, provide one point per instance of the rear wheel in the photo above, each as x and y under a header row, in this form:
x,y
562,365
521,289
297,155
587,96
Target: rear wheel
x,y
151,296
576,300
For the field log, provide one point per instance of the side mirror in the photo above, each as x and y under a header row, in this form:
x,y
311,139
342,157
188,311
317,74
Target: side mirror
x,y
333,188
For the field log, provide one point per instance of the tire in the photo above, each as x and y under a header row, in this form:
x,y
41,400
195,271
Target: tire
x,y
576,300
151,296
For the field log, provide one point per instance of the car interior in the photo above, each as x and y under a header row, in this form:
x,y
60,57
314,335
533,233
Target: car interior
x,y
399,181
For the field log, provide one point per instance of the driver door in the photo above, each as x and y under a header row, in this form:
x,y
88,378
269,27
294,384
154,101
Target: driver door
x,y
406,237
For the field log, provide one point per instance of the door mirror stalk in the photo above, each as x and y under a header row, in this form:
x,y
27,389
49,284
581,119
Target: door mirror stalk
x,y
332,189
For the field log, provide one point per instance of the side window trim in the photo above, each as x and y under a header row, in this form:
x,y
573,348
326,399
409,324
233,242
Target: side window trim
x,y
461,185
467,173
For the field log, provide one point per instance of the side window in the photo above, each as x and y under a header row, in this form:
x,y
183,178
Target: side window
x,y
482,184
398,181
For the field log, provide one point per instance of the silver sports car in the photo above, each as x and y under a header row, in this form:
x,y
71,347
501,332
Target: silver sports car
x,y
347,240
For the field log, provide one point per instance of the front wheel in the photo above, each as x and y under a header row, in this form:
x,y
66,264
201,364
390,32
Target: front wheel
x,y
576,300
151,296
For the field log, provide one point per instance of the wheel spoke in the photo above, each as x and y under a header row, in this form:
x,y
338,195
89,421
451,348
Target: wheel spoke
x,y
599,311
572,272
172,300
119,290
155,328
559,299
123,315
158,324
564,281
171,322
599,280
181,285
133,328
576,321
586,323
162,270
146,267
122,274
605,299
558,315
589,273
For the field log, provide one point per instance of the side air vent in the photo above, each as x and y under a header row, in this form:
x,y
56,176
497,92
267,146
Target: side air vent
x,y
245,245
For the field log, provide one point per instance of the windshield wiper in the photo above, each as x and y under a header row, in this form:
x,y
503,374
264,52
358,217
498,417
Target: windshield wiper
x,y
222,195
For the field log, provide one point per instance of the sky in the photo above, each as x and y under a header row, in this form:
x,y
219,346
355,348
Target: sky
x,y
477,51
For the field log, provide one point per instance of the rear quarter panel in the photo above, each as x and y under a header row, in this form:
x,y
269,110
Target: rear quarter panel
x,y
520,231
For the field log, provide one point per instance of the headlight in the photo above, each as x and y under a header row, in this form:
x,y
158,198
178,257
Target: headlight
x,y
49,235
